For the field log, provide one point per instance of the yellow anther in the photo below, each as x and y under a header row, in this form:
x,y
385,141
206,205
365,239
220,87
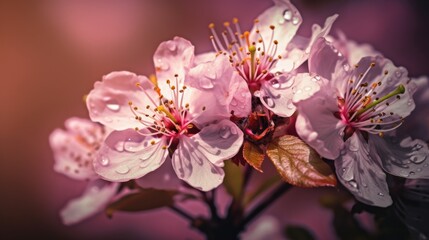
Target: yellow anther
x,y
211,25
235,20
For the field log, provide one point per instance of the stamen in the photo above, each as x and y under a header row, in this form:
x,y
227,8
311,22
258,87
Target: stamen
x,y
399,90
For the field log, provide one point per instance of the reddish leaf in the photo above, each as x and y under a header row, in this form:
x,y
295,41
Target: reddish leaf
x,y
298,164
253,155
146,199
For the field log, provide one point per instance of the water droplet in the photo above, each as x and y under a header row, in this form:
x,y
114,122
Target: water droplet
x,y
112,104
425,165
224,132
122,169
171,46
210,74
308,88
398,73
346,67
104,161
269,101
417,147
233,102
344,170
364,185
162,65
410,102
286,82
275,83
233,130
417,158
353,147
257,94
312,136
418,169
287,15
119,146
353,183
339,54
206,83
290,104
412,173
132,146
380,194
295,20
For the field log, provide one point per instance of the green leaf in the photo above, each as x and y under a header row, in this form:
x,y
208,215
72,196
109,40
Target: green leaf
x,y
253,155
261,188
233,181
298,233
145,199
298,164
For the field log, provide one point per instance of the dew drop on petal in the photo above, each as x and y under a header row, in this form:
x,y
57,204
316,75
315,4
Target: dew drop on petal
x,y
418,169
346,67
104,161
287,15
380,194
269,101
353,183
286,82
224,132
162,65
418,158
312,136
410,102
112,104
122,169
166,177
295,20
275,83
398,73
257,94
353,148
290,104
210,73
206,83
425,165
234,102
171,46
119,146
308,88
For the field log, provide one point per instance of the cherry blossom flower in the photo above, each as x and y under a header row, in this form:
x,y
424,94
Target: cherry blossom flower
x,y
74,150
182,117
348,117
267,55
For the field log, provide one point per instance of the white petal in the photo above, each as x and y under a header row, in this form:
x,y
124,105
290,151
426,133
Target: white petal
x,y
127,155
360,173
407,158
317,125
108,102
198,159
95,198
284,17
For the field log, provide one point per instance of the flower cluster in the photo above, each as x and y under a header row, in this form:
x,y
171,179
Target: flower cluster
x,y
319,108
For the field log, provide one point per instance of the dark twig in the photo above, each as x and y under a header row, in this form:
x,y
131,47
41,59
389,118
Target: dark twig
x,y
182,213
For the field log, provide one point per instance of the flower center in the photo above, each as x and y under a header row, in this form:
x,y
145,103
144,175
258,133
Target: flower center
x,y
362,108
252,59
168,118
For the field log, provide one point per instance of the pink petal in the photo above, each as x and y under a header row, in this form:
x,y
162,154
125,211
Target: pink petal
x,y
360,174
198,160
284,17
298,50
326,61
241,102
108,102
317,125
163,178
75,147
173,57
407,158
95,198
127,155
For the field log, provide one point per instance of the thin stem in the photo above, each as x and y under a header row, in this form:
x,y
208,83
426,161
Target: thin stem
x,y
182,213
211,203
265,203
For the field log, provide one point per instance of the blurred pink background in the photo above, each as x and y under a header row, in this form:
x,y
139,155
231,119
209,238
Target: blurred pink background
x,y
52,52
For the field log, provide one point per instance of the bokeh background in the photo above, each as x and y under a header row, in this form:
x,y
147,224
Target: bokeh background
x,y
52,52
